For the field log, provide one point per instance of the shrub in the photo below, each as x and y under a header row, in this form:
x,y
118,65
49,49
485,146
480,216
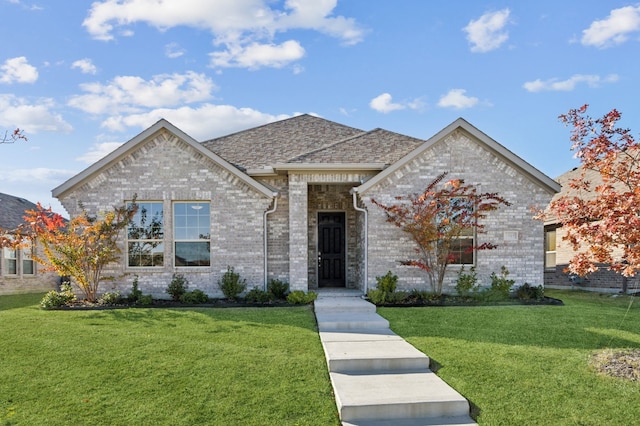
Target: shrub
x,y
500,287
384,291
467,283
299,297
257,295
501,283
55,299
529,292
146,300
177,287
231,285
136,293
110,298
423,295
387,283
194,297
278,289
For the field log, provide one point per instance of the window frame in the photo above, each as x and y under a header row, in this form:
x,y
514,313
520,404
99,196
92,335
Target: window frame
x,y
24,258
182,227
6,270
548,252
469,235
159,242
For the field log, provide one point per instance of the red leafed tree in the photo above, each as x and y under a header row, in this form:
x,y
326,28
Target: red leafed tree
x,y
438,219
601,219
13,136
80,248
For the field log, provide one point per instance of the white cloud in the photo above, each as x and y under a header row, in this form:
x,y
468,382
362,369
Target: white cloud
x,y
457,99
244,28
85,66
98,151
384,104
173,50
205,122
31,117
615,29
18,70
487,32
256,55
132,94
569,84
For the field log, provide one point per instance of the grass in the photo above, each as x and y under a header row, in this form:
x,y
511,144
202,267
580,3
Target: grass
x,y
530,364
161,366
265,366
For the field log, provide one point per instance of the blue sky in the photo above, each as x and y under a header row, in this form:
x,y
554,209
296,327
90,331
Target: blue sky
x,y
82,77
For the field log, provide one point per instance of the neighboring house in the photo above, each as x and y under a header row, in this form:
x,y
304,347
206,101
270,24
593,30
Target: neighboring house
x,y
559,252
19,273
291,200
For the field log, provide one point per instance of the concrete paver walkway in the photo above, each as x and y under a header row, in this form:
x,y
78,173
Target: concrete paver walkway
x,y
378,378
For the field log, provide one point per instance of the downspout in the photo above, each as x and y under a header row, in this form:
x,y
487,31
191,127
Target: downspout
x,y
354,192
264,221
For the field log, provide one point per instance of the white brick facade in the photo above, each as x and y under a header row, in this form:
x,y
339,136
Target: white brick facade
x,y
164,165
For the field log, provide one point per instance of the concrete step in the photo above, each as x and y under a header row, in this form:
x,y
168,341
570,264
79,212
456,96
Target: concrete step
x,y
326,304
392,395
350,321
374,355
429,421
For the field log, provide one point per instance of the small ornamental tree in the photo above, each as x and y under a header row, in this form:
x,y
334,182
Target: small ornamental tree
x,y
80,248
601,219
13,136
437,218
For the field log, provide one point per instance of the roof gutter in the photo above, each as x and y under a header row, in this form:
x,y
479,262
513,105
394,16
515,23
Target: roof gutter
x,y
265,236
354,193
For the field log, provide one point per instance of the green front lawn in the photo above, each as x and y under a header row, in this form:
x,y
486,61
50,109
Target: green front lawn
x,y
524,365
248,366
529,365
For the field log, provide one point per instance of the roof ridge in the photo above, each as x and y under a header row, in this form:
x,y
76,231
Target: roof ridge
x,y
338,142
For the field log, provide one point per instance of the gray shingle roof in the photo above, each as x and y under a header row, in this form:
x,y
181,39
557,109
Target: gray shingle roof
x,y
12,210
376,146
280,141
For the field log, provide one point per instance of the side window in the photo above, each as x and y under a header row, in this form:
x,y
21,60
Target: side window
x,y
10,259
145,236
462,247
550,250
27,260
192,233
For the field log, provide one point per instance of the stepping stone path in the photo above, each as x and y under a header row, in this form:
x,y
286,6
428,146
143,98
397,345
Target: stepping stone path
x,y
378,378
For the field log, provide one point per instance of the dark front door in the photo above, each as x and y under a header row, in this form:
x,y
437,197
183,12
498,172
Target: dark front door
x,y
331,250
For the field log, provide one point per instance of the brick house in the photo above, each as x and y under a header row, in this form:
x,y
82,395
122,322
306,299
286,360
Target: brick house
x,y
291,200
558,253
19,273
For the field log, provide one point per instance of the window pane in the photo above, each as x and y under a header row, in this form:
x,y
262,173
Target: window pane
x,y
147,223
462,251
146,254
550,259
27,267
145,233
10,261
551,241
192,254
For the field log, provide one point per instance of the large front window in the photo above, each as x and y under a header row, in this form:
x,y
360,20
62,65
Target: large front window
x,y
145,236
192,233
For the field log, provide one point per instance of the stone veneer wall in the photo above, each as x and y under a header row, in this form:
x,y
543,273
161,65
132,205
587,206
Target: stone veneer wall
x,y
462,158
166,169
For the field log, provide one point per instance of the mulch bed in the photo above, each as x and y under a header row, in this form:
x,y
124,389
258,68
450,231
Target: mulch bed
x,y
446,300
166,303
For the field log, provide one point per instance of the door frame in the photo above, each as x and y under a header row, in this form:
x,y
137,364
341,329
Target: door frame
x,y
344,241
